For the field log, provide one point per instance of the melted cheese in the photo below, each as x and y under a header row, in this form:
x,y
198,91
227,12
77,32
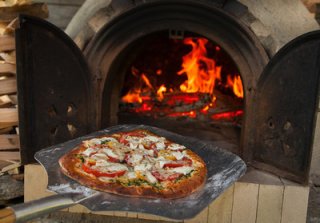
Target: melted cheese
x,y
136,158
132,175
99,156
151,138
88,151
109,152
175,146
143,167
184,169
101,163
114,167
178,155
150,177
160,145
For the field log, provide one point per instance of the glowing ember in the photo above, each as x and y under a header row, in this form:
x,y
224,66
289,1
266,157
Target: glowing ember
x,y
227,115
191,114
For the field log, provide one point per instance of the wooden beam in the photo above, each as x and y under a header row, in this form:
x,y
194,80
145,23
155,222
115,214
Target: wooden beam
x,y
7,42
7,14
8,86
9,141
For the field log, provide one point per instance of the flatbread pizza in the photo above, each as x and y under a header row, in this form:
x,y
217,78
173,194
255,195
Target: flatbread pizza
x,y
135,163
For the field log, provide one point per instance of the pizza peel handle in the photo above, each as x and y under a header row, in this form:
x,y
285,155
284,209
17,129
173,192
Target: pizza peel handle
x,y
33,209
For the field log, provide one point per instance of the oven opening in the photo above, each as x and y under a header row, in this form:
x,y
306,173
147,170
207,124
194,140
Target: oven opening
x,y
188,85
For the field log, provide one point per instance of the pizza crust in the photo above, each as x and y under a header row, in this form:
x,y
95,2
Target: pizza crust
x,y
72,167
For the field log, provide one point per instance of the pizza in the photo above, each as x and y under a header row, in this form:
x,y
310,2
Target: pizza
x,y
135,163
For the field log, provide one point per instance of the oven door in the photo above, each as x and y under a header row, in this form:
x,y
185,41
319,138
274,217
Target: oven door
x,y
54,87
284,110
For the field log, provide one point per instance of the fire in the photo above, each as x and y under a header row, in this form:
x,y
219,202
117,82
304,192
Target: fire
x,y
160,92
236,85
201,71
195,96
133,96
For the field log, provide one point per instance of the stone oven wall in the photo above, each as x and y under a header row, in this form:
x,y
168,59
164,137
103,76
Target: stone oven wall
x,y
275,23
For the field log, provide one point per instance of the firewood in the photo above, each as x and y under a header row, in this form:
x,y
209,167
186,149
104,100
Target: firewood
x,y
7,14
8,117
6,130
9,141
10,3
10,155
7,42
5,101
8,86
7,67
8,57
8,28
14,99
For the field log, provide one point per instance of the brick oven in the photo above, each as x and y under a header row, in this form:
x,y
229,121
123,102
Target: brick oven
x,y
260,104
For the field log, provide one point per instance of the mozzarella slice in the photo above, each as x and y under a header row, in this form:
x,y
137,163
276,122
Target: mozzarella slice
x,y
132,175
150,178
102,163
178,155
161,163
114,167
152,138
175,146
184,169
160,145
109,152
136,158
99,156
88,151
141,146
133,145
143,167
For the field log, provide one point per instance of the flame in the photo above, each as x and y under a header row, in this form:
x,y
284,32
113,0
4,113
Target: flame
x,y
160,92
133,96
201,71
236,85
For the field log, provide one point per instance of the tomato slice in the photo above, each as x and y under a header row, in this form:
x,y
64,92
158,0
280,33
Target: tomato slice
x,y
179,163
98,173
161,177
158,176
173,164
113,160
174,176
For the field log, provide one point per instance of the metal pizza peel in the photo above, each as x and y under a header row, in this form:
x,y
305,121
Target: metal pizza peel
x,y
224,168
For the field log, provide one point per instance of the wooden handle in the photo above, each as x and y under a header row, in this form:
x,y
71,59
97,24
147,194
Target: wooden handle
x,y
7,215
